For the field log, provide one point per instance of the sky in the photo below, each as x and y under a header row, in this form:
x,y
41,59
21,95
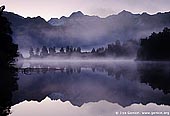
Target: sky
x,y
103,8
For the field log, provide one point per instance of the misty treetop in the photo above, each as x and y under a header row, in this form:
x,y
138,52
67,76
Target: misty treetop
x,y
52,51
155,47
117,49
8,50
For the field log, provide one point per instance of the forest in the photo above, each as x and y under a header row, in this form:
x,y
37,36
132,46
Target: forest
x,y
156,47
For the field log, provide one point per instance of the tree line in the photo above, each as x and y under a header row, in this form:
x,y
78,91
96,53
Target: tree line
x,y
115,49
51,51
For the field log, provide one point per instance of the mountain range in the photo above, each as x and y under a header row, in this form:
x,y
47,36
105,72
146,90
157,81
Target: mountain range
x,y
85,31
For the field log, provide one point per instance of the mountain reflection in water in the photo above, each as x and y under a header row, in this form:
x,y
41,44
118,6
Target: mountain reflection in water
x,y
124,83
101,108
8,84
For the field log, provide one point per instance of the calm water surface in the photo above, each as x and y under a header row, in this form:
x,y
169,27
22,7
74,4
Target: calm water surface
x,y
91,89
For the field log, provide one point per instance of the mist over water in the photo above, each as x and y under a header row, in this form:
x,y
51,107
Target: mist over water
x,y
104,78
118,85
75,59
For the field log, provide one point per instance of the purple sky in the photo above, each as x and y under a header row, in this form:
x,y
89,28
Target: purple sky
x,y
102,8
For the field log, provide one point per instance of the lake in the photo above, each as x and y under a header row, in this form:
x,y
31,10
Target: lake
x,y
88,88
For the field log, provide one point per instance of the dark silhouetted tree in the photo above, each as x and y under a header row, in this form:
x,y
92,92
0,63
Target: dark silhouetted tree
x,y
1,9
118,48
62,50
52,51
93,50
71,49
117,43
31,52
111,49
44,51
67,49
37,51
100,51
8,50
79,49
74,50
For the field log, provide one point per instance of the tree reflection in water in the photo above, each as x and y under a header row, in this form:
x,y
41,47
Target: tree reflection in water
x,y
8,84
157,75
122,83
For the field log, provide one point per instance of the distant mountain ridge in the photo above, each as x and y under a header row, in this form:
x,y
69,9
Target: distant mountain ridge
x,y
83,30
